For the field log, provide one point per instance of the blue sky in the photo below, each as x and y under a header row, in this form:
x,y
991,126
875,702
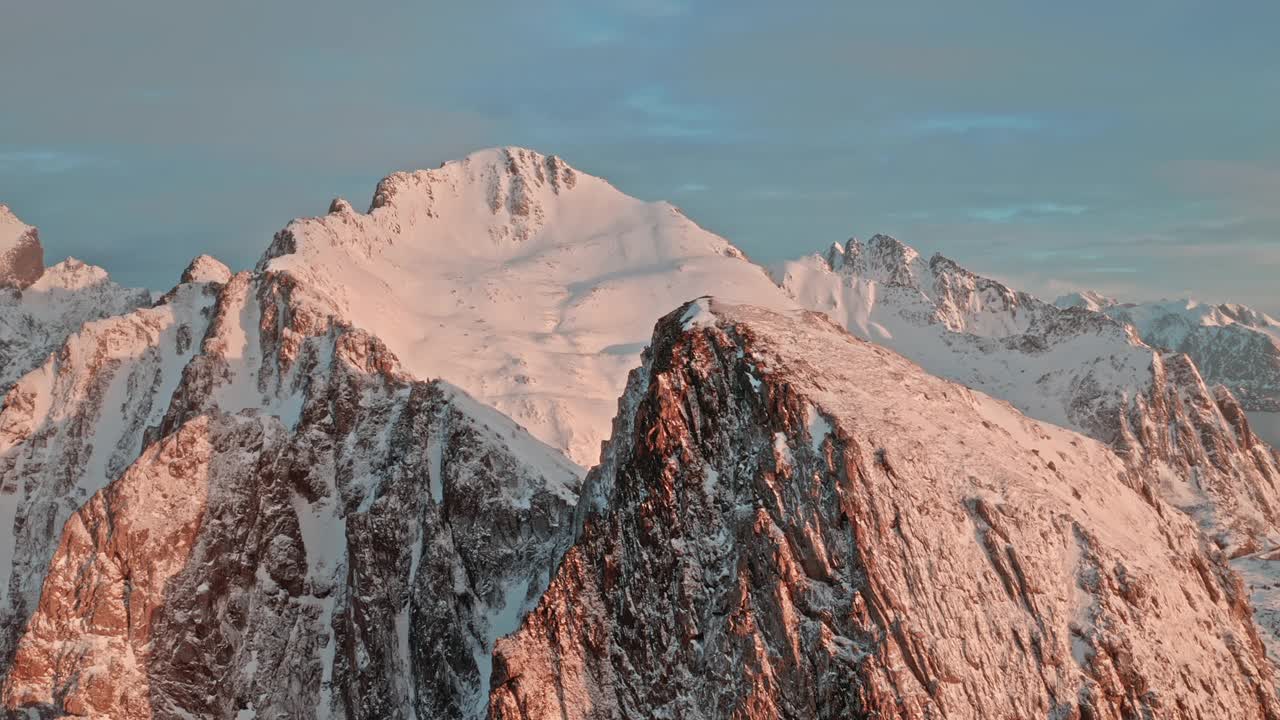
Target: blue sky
x,y
1127,147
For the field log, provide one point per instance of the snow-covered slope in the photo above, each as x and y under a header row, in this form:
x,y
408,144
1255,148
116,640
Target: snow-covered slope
x,y
1072,367
39,306
1233,345
530,284
801,524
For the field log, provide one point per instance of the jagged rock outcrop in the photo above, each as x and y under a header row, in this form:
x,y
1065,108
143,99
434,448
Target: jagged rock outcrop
x,y
21,255
78,421
309,531
801,524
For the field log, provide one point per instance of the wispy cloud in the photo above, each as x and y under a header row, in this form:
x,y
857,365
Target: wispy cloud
x,y
691,187
40,161
964,123
1007,213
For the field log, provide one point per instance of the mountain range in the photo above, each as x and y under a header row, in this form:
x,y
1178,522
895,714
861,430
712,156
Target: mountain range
x,y
514,444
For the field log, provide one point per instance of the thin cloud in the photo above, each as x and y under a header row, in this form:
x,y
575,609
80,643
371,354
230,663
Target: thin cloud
x,y
1012,212
41,162
964,123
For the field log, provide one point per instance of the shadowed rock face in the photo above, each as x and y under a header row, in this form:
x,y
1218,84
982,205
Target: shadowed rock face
x,y
21,255
799,524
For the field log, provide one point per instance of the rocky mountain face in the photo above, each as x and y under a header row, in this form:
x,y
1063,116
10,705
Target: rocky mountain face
x,y
801,524
308,490
226,504
1232,345
1073,367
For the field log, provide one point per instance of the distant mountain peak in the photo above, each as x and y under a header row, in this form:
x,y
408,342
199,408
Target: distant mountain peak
x,y
206,268
514,176
1087,299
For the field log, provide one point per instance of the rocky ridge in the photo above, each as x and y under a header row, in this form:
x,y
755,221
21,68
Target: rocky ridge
x,y
802,524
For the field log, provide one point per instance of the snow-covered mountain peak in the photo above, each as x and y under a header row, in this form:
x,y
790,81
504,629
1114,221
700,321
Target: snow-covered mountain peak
x,y
1246,315
892,261
530,284
340,206
71,274
844,257
206,268
1086,299
835,256
514,183
493,204
21,255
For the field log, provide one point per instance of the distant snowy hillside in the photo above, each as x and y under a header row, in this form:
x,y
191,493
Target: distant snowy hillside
x,y
1233,345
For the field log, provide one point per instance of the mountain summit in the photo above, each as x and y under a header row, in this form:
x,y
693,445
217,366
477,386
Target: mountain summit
x,y
530,284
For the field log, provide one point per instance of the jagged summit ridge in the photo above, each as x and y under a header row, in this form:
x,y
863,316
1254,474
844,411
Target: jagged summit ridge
x,y
516,185
1086,299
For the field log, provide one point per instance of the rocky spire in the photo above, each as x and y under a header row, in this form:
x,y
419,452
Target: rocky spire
x,y
21,255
